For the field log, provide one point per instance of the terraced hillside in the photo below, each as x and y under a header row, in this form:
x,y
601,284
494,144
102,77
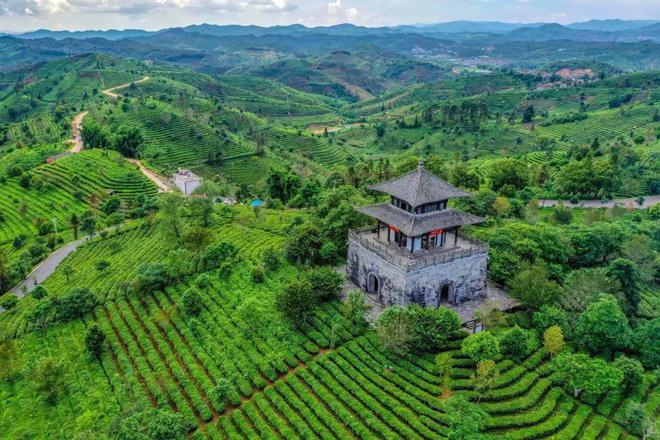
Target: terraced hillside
x,y
69,185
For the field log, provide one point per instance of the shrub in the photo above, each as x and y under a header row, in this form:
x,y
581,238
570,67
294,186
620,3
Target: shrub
x,y
579,372
258,274
222,393
153,424
191,303
271,259
394,328
39,292
9,302
49,378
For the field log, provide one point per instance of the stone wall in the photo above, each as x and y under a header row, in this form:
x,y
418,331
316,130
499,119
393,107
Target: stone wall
x,y
466,278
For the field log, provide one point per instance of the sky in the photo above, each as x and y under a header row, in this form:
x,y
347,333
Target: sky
x,y
24,15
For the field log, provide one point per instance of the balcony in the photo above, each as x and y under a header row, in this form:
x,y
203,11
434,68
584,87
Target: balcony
x,y
409,262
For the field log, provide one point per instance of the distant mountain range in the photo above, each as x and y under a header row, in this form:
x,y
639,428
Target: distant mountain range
x,y
593,30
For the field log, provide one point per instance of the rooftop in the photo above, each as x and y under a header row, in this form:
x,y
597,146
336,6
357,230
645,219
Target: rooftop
x,y
417,224
419,187
402,257
186,175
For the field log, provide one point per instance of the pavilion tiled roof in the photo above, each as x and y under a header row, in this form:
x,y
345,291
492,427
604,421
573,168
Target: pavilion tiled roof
x,y
417,224
419,187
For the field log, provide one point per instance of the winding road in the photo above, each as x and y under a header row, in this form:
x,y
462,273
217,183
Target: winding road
x,y
44,269
111,91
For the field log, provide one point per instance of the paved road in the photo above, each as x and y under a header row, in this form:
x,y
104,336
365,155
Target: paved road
x,y
628,203
45,268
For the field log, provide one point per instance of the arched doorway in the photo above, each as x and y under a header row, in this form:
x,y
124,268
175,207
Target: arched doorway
x,y
446,293
373,283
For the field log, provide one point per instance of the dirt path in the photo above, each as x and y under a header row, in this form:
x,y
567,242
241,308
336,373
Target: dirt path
x,y
76,125
155,178
110,92
630,202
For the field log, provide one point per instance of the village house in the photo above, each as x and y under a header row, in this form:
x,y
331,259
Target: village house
x,y
415,254
186,181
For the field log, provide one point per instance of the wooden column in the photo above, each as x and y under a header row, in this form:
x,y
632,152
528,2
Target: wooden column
x,y
378,229
455,236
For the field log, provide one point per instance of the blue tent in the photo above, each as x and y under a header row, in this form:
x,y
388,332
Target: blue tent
x,y
256,203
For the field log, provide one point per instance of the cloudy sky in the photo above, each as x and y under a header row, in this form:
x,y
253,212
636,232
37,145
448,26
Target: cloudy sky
x,y
22,15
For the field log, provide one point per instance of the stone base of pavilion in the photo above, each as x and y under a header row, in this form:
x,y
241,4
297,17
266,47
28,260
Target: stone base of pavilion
x,y
495,297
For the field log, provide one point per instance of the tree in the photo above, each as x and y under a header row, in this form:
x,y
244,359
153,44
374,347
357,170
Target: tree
x,y
95,341
515,343
202,210
94,135
550,316
297,302
49,377
191,303
633,374
152,277
646,341
637,420
75,222
67,270
583,286
88,224
128,141
511,173
532,287
5,273
219,253
355,310
282,184
112,204
196,238
9,302
115,220
553,340
467,421
603,328
431,329
627,274
528,114
76,303
579,372
39,315
169,217
395,329
562,215
481,346
484,377
326,282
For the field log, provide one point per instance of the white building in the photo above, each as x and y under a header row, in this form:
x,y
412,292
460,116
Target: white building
x,y
186,181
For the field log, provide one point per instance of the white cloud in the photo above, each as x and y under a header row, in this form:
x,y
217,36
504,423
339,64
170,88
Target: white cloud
x,y
341,13
45,7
